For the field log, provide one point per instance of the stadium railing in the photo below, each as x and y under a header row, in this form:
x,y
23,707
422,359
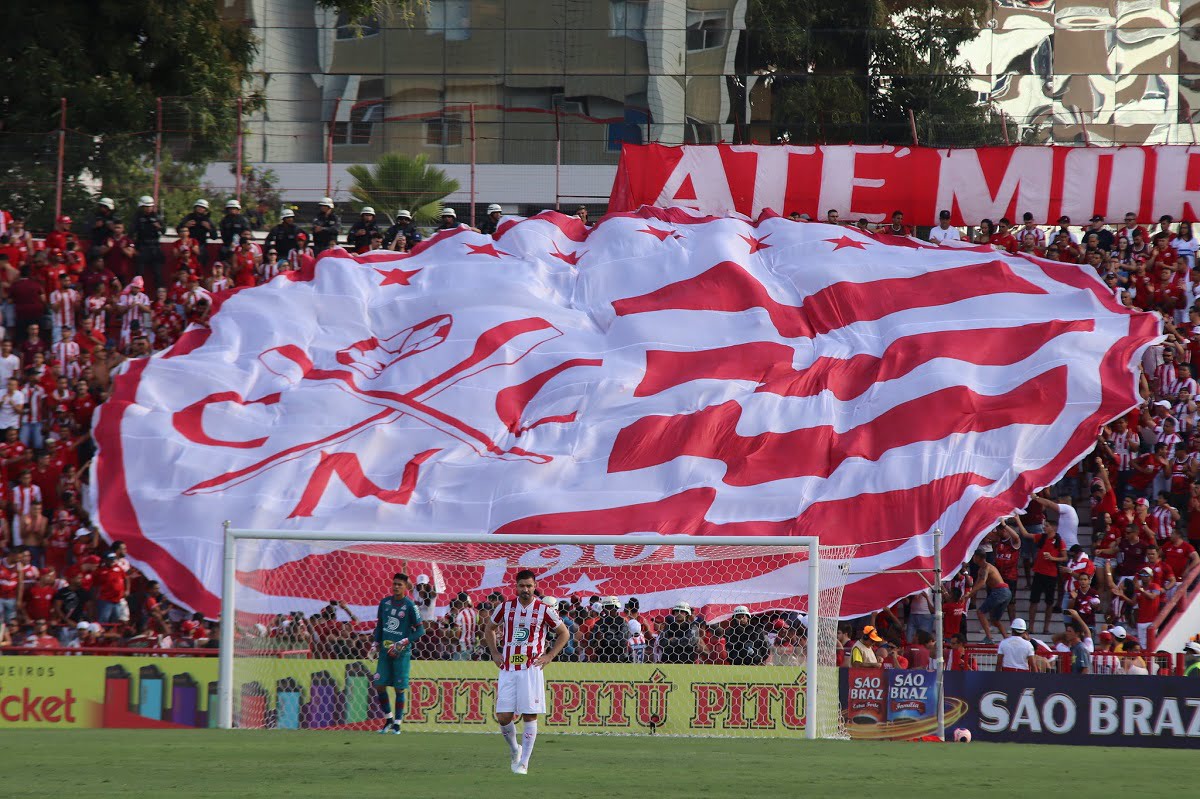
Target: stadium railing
x,y
1188,591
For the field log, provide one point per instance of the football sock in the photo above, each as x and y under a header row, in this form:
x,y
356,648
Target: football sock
x,y
382,696
399,712
529,736
509,731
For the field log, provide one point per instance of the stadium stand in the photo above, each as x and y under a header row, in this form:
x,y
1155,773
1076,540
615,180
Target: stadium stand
x,y
1102,562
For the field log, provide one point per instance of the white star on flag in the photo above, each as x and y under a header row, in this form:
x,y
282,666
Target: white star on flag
x,y
583,585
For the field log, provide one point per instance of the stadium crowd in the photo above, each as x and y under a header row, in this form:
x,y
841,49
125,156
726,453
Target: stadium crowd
x,y
81,300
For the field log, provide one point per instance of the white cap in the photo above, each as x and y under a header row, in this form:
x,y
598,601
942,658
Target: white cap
x,y
145,201
108,203
82,531
448,212
326,201
367,210
685,607
495,208
1018,625
1163,404
83,625
741,610
288,213
1118,632
635,627
1192,648
233,204
610,602
403,214
422,579
200,204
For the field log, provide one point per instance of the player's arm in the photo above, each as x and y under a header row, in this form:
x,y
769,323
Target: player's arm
x,y
561,636
489,638
377,636
416,626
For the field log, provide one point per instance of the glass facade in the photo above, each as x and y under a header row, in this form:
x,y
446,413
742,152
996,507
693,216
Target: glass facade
x,y
568,81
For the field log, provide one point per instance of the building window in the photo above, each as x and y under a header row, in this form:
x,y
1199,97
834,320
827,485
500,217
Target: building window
x,y
443,132
707,30
349,29
363,117
629,131
627,18
697,132
451,18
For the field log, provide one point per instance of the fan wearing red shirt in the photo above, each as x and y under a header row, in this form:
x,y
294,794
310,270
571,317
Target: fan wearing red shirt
x,y
1146,468
85,568
39,598
83,406
1160,572
56,240
46,477
41,637
1050,552
118,251
959,659
112,586
1132,551
1149,598
1179,554
58,545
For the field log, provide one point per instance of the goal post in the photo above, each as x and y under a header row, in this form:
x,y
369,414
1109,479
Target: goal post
x,y
819,574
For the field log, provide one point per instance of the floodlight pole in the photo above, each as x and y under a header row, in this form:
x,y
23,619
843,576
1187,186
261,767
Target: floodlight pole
x,y
228,623
938,621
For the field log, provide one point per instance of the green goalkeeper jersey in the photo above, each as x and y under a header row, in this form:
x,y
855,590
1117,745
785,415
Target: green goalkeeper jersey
x,y
396,621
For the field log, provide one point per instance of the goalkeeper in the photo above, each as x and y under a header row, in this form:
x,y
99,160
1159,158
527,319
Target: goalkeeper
x,y
397,626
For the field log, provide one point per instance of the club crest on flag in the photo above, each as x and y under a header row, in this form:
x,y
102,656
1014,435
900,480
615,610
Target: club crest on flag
x,y
719,377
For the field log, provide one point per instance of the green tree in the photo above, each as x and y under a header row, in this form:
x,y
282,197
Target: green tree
x,y
399,181
111,60
851,71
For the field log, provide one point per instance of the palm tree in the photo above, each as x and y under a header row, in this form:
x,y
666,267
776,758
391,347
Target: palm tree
x,y
399,181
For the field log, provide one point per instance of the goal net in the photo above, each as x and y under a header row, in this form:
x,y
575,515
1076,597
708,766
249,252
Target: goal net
x,y
669,635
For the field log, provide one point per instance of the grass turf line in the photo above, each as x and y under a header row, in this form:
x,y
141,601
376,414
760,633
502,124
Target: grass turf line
x,y
252,764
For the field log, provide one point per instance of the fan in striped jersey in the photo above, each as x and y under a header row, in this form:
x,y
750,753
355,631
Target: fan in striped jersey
x,y
661,372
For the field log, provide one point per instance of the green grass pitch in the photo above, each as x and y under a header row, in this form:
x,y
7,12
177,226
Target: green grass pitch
x,y
251,764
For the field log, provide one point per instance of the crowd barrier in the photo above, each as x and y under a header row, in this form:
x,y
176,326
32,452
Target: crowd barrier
x,y
889,704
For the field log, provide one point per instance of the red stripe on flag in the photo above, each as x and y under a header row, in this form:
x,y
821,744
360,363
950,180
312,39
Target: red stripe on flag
x,y
853,520
818,451
346,467
769,363
729,287
512,401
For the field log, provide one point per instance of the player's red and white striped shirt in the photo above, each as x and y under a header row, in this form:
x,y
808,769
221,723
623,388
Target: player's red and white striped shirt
x,y
467,624
1124,445
65,314
523,631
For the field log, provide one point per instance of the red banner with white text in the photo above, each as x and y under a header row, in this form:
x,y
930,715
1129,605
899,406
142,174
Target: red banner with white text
x,y
872,181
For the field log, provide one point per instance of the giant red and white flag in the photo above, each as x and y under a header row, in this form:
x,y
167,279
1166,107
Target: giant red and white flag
x,y
658,373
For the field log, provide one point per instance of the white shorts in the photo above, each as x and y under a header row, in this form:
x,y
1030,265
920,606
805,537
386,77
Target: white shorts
x,y
521,691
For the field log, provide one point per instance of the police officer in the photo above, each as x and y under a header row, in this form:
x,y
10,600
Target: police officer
x,y
282,237
233,225
449,219
745,642
147,229
325,226
359,236
201,227
404,227
103,222
492,221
